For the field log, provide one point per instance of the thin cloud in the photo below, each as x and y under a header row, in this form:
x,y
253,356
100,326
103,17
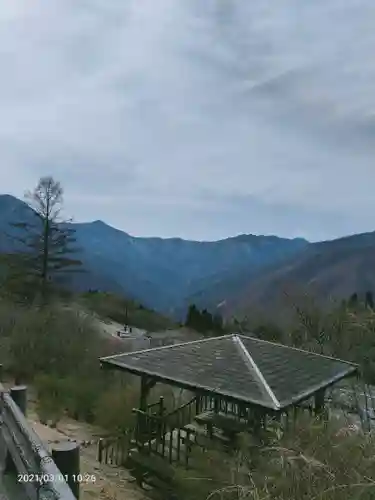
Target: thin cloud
x,y
142,108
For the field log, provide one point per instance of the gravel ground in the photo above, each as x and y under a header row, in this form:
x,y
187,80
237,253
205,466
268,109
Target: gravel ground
x,y
110,482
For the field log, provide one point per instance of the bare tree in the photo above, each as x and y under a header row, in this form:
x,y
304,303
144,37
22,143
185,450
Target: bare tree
x,y
44,241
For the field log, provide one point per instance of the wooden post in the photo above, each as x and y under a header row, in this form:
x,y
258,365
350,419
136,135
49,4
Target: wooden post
x,y
197,404
286,419
142,420
295,415
161,413
161,406
19,395
265,421
100,450
216,405
146,385
319,402
66,457
257,423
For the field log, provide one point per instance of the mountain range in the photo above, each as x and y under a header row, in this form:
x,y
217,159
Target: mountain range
x,y
232,274
325,270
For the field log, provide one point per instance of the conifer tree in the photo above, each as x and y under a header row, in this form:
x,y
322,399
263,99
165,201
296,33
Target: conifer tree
x,y
44,244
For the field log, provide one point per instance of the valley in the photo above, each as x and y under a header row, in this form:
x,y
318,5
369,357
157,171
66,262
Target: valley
x,y
230,276
133,295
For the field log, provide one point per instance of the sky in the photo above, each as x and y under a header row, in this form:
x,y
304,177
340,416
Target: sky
x,y
200,120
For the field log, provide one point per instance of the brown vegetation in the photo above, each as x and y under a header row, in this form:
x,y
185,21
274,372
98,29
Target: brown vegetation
x,y
57,352
314,461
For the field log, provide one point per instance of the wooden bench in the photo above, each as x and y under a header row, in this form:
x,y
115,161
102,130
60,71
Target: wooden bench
x,y
203,439
228,424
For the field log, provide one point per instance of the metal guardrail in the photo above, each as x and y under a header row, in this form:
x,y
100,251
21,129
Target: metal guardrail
x,y
37,472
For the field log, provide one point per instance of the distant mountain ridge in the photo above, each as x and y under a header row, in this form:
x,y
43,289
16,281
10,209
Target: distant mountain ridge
x,y
161,273
234,275
326,270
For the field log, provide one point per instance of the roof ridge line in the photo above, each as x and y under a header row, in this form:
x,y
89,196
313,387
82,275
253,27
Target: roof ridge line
x,y
297,349
254,366
314,388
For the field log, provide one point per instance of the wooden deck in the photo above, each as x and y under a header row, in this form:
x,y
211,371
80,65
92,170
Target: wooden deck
x,y
176,446
162,442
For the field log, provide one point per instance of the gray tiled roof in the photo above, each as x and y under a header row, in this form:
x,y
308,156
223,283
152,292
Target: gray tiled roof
x,y
245,368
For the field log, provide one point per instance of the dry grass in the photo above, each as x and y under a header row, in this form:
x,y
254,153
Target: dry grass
x,y
314,462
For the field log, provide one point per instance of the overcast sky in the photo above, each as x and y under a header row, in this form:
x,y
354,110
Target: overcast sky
x,y
194,118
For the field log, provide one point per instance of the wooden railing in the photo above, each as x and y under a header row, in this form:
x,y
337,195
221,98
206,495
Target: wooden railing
x,y
113,451
210,403
157,407
155,432
163,436
182,415
26,452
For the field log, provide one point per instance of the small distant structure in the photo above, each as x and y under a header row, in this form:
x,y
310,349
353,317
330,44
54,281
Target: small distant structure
x,y
125,332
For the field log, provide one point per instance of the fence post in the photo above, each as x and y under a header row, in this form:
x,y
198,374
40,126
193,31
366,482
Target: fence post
x,y
197,404
66,457
100,450
161,406
319,402
19,395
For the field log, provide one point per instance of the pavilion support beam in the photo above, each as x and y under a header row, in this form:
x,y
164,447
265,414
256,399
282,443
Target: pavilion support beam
x,y
147,383
319,402
295,415
143,424
198,403
257,420
277,415
216,405
286,419
264,421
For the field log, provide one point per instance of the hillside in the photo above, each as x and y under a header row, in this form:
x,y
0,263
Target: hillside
x,y
162,274
115,308
235,274
166,274
330,269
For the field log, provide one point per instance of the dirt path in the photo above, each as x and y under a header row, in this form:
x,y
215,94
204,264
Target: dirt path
x,y
112,483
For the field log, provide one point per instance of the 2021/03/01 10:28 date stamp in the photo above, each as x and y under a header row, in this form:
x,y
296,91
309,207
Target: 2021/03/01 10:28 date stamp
x,y
50,478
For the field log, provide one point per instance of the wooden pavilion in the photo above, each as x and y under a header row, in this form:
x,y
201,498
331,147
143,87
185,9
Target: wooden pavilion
x,y
238,383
